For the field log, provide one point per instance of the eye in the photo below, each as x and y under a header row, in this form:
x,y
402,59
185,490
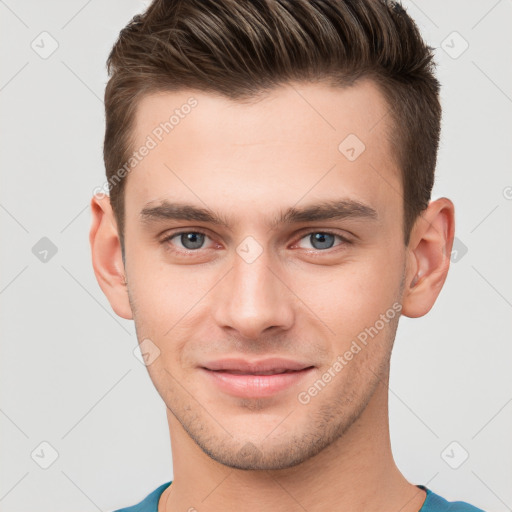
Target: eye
x,y
321,240
189,240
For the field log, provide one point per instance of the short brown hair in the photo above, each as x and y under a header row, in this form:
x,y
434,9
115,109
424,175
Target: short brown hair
x,y
241,48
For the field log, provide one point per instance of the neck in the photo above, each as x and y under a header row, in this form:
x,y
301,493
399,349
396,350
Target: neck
x,y
356,472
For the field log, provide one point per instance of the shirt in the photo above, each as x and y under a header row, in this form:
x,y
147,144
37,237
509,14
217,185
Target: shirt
x,y
433,503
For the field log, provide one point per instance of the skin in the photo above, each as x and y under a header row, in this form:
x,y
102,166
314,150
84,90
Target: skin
x,y
249,162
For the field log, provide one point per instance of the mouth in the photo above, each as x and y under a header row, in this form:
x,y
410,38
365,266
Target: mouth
x,y
257,379
267,366
270,372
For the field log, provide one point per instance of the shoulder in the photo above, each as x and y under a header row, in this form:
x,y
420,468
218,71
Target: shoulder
x,y
435,503
149,503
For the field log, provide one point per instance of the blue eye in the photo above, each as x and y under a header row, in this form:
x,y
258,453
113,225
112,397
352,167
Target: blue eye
x,y
190,240
324,240
196,240
321,240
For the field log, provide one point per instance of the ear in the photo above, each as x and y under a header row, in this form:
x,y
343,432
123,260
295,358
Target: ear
x,y
428,257
107,259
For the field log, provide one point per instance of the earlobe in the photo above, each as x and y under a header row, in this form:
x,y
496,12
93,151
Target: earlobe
x,y
106,255
428,257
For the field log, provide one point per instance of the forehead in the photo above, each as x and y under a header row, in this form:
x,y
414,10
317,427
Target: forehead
x,y
279,114
297,141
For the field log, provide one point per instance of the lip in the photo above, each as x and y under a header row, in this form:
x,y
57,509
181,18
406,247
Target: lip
x,y
237,377
263,365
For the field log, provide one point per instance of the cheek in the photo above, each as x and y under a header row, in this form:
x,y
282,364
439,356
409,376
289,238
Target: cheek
x,y
163,292
171,307
352,296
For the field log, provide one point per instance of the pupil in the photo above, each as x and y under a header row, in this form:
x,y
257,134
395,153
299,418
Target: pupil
x,y
322,240
192,240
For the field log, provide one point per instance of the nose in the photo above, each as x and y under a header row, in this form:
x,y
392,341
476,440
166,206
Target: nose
x,y
253,299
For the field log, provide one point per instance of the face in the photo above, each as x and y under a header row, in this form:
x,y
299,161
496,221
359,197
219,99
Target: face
x,y
263,237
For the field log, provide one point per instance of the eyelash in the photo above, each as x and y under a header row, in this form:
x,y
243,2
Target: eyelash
x,y
344,240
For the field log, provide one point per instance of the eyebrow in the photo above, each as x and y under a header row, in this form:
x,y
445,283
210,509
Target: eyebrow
x,y
322,211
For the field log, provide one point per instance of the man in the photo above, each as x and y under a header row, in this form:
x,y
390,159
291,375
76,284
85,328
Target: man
x,y
270,165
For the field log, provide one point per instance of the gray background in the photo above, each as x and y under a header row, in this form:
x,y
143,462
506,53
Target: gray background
x,y
69,376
